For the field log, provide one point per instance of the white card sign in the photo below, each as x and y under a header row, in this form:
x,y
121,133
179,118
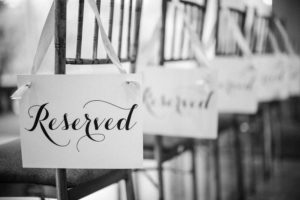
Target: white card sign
x,y
236,78
293,66
81,121
272,77
180,102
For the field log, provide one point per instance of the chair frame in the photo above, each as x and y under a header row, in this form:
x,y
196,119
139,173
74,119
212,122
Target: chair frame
x,y
267,133
161,154
237,119
60,61
61,191
269,147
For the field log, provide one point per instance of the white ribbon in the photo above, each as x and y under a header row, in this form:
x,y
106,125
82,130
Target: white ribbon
x,y
285,37
237,34
273,42
209,28
46,38
107,45
17,95
148,51
197,45
210,20
250,15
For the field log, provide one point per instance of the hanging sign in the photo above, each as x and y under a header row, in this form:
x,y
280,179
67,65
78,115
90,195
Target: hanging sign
x,y
293,66
180,102
272,77
236,92
81,121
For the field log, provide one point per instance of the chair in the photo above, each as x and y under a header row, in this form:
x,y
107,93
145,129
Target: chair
x,y
164,148
270,111
257,143
231,136
70,183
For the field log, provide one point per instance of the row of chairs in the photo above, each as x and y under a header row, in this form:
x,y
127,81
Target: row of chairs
x,y
233,136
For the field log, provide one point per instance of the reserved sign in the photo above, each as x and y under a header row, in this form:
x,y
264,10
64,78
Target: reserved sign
x,y
180,102
81,121
272,77
236,92
293,67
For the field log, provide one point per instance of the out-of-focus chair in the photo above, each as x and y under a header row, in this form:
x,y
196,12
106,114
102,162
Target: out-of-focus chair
x,y
230,146
165,148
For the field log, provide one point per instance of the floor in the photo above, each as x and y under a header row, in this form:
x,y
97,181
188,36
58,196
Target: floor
x,y
285,182
284,185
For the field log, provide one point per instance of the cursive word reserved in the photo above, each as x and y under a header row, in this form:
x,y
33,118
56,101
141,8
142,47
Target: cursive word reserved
x,y
236,86
47,123
177,102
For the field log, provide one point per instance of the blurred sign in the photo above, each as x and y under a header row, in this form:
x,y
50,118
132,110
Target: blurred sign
x,y
81,121
293,66
272,77
180,102
236,92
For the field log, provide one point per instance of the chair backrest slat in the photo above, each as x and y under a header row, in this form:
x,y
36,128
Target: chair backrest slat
x,y
122,34
173,35
60,37
111,19
121,28
134,54
259,39
182,38
190,15
96,33
79,28
200,20
173,26
129,29
226,45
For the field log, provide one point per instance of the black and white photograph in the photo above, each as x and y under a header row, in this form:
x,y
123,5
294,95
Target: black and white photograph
x,y
149,99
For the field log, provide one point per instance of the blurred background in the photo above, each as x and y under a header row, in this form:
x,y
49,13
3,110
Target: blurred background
x,y
21,22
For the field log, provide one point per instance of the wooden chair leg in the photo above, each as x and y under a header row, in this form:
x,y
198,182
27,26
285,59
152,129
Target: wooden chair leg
x,y
279,139
194,172
129,186
250,158
61,184
136,185
159,160
217,173
60,54
119,190
239,163
252,162
267,135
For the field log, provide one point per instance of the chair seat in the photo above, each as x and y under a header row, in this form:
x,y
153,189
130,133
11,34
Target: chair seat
x,y
11,170
167,141
171,146
225,121
170,143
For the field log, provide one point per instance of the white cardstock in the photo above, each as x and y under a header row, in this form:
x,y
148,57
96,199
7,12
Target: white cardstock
x,y
236,92
180,102
272,77
293,66
81,121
